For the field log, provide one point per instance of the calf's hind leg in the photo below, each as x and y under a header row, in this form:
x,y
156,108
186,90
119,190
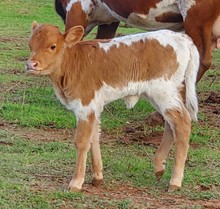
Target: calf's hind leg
x,y
180,123
163,151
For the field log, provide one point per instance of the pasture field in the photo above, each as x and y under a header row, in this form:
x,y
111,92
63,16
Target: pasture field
x,y
37,155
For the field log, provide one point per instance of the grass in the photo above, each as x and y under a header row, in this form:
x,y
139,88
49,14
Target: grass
x,y
35,173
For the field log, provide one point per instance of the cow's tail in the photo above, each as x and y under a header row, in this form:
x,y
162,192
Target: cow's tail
x,y
190,83
60,10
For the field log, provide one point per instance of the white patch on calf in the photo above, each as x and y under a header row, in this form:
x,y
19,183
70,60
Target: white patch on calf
x,y
127,40
165,38
184,6
162,93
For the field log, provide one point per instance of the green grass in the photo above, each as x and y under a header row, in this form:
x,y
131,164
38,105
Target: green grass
x,y
35,173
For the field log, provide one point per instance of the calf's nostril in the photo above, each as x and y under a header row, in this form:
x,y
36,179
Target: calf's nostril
x,y
34,64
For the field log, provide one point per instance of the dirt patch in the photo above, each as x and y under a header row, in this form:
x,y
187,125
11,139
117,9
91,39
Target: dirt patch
x,y
42,134
141,197
209,104
137,134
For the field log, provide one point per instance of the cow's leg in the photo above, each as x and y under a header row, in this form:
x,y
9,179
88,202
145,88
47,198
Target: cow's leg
x,y
180,123
163,151
96,156
201,36
107,31
206,51
82,144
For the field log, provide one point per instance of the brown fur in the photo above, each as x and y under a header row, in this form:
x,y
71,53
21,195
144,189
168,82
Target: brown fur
x,y
169,17
75,16
198,25
126,7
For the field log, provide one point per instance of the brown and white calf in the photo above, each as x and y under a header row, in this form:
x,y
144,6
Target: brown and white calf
x,y
160,66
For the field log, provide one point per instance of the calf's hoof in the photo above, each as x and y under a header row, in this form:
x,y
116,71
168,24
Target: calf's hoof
x,y
97,182
159,174
74,189
173,188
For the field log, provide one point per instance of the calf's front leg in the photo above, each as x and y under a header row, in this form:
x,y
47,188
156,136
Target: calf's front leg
x,y
82,144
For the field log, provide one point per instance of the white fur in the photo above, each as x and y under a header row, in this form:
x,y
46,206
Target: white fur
x,y
184,6
84,3
131,101
165,37
149,22
162,93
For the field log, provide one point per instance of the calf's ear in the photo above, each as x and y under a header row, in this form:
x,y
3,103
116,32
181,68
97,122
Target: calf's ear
x,y
74,34
34,25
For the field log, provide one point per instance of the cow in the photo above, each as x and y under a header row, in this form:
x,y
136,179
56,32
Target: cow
x,y
162,67
199,18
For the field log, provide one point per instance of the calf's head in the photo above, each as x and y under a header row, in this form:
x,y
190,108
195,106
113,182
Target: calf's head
x,y
47,45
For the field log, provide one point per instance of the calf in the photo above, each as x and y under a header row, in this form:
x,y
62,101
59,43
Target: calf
x,y
160,66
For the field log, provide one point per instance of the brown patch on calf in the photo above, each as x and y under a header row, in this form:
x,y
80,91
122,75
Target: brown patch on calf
x,y
153,61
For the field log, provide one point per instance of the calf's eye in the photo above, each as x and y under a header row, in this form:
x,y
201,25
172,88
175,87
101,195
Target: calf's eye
x,y
53,46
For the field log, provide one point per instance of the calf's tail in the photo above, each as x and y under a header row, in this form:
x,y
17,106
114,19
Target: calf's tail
x,y
190,83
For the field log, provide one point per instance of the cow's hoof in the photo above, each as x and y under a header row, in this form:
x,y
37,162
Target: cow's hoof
x,y
173,188
159,174
97,182
74,189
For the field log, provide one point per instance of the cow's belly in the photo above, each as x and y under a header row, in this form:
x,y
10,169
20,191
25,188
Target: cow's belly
x,y
166,15
161,17
216,27
147,22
